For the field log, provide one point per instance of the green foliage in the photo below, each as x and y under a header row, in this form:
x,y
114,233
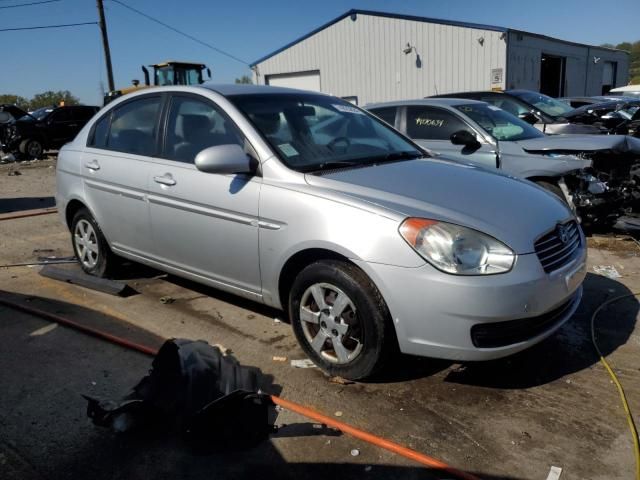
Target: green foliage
x,y
44,99
634,58
244,79
49,98
14,100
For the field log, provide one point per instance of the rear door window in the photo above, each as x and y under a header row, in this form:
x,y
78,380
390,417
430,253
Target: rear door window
x,y
134,127
429,123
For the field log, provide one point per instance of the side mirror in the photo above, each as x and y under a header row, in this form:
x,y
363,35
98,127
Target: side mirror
x,y
223,159
5,117
529,117
466,138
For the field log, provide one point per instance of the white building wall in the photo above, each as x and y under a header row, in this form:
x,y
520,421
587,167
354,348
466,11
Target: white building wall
x,y
365,58
583,76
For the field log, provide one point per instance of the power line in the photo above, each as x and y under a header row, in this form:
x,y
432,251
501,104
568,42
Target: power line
x,y
30,4
47,26
180,32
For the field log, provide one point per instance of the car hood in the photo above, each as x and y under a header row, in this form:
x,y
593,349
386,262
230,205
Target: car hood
x,y
514,211
583,143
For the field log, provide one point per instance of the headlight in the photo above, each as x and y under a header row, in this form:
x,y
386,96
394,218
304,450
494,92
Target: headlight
x,y
455,249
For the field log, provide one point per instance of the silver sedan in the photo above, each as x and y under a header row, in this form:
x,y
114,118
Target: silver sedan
x,y
370,245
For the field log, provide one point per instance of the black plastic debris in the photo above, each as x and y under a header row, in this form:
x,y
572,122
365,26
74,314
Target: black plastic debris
x,y
196,391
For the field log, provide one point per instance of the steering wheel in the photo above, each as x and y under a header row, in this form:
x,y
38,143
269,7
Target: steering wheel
x,y
334,143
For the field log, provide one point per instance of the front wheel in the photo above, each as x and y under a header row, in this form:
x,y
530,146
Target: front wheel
x,y
90,246
341,320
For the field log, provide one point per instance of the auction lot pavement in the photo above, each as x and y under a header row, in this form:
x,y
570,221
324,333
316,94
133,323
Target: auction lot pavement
x,y
553,405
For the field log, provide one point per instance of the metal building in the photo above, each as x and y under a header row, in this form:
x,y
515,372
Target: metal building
x,y
366,56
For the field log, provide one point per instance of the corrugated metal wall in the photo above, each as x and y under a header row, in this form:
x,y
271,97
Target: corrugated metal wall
x,y
583,75
365,58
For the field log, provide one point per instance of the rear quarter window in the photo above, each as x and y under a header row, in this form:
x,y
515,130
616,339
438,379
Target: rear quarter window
x,y
99,132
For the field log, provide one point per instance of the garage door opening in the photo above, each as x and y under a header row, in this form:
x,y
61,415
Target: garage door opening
x,y
608,76
301,80
552,75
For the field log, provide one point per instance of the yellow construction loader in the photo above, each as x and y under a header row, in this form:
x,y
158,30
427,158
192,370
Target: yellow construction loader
x,y
165,73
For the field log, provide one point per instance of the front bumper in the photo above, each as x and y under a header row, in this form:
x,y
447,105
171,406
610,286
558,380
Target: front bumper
x,y
434,313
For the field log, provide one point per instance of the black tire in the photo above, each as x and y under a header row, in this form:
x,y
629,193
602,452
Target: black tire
x,y
553,188
371,321
31,148
106,261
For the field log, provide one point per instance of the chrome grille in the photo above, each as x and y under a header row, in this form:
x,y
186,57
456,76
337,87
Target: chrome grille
x,y
558,247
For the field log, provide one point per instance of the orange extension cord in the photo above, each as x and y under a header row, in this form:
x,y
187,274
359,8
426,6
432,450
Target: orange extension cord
x,y
294,407
28,213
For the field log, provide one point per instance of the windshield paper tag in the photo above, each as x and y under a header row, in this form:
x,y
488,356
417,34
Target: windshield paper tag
x,y
493,107
288,150
346,109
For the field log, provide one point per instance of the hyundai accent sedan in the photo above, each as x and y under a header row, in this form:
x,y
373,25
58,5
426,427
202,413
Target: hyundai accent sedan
x,y
368,244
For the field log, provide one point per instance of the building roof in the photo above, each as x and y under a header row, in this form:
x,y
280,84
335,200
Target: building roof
x,y
354,12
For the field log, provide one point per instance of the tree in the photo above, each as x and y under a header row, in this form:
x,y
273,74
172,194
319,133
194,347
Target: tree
x,y
49,98
245,79
14,100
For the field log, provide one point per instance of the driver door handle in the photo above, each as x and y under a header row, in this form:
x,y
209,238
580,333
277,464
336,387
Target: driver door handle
x,y
166,179
92,165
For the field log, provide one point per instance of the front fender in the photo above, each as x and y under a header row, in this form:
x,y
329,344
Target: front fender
x,y
307,221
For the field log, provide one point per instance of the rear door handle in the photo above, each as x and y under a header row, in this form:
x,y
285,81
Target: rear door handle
x,y
93,165
166,179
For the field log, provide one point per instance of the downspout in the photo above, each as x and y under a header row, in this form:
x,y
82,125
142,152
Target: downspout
x,y
586,70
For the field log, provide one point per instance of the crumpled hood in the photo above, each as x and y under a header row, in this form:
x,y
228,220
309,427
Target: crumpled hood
x,y
583,143
514,211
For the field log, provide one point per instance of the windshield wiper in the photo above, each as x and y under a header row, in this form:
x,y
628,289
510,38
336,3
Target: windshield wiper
x,y
404,155
333,164
390,157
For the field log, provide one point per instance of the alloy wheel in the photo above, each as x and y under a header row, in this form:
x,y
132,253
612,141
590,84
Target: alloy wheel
x,y
330,323
86,243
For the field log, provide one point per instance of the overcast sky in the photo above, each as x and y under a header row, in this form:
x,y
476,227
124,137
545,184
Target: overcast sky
x,y
71,59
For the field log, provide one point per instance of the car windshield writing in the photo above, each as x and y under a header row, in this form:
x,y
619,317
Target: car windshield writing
x,y
498,123
311,132
548,105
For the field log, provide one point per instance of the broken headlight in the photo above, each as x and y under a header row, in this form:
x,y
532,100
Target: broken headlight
x,y
455,249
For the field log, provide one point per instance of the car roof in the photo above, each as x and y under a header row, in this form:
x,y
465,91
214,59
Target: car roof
x,y
627,88
248,89
435,102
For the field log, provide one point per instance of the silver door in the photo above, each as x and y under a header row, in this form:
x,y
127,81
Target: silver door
x,y
432,128
115,171
204,224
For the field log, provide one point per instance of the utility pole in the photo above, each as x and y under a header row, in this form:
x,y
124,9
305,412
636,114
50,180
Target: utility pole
x,y
105,44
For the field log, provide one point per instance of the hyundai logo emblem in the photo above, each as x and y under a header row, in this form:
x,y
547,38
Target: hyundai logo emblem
x,y
563,234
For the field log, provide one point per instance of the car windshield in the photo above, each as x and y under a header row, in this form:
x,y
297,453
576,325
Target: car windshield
x,y
38,114
548,105
311,132
499,124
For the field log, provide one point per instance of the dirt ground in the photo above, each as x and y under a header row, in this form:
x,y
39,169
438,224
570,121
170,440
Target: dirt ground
x,y
553,405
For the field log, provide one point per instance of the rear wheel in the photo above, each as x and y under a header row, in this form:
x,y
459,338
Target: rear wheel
x,y
341,320
32,148
90,246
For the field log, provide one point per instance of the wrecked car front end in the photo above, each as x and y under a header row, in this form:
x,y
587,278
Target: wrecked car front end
x,y
610,188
